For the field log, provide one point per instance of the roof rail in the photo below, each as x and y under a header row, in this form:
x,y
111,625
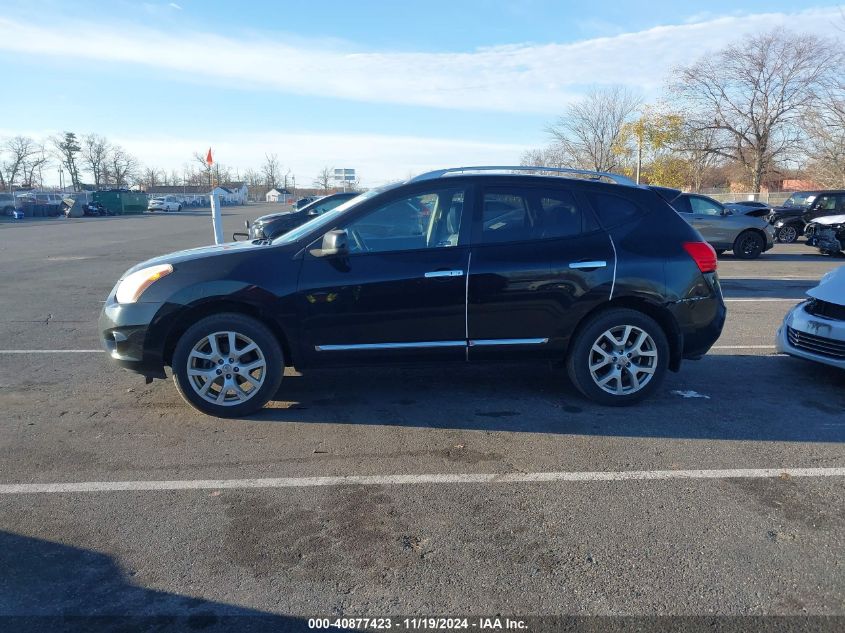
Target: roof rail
x,y
590,175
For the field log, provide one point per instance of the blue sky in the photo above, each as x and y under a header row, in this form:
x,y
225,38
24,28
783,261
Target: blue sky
x,y
390,88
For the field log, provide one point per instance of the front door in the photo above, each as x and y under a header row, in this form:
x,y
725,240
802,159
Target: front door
x,y
400,292
539,263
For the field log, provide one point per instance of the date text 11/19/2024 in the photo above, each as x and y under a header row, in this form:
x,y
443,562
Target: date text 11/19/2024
x,y
420,623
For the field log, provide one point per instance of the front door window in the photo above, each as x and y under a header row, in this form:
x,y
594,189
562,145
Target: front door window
x,y
425,220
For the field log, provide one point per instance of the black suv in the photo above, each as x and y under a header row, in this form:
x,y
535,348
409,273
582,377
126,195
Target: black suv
x,y
461,265
801,208
273,225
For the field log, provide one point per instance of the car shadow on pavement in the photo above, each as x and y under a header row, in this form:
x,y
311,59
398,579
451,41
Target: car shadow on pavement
x,y
719,397
811,254
49,586
756,288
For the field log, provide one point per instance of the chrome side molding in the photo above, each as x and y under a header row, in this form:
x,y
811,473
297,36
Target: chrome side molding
x,y
507,341
377,346
594,264
444,273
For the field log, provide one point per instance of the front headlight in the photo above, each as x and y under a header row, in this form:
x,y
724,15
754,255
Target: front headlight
x,y
779,223
133,286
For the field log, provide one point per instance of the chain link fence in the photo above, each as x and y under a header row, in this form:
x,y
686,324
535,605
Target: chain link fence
x,y
773,199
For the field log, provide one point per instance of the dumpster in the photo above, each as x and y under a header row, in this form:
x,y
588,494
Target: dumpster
x,y
122,201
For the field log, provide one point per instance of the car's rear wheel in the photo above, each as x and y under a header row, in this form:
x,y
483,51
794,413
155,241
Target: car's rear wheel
x,y
787,234
228,365
619,357
748,245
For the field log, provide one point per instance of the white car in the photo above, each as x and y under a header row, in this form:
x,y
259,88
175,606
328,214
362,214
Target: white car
x,y
815,329
167,203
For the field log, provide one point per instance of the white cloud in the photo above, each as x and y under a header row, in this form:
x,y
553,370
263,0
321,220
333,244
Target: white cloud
x,y
510,78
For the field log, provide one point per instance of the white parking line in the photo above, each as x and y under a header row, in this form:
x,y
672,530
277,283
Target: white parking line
x,y
763,299
740,278
51,351
401,480
743,347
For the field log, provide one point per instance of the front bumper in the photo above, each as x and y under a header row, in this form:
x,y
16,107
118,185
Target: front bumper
x,y
771,231
124,334
812,337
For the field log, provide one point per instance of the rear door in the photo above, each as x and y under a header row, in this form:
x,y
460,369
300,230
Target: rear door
x,y
708,218
538,263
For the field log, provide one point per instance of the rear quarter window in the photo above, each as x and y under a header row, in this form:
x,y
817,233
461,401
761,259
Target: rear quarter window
x,y
612,209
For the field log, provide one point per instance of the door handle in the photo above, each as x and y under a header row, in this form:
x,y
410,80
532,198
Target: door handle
x,y
444,273
588,264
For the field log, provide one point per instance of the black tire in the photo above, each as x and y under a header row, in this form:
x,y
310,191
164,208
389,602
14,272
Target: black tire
x,y
179,208
244,326
748,245
581,354
787,234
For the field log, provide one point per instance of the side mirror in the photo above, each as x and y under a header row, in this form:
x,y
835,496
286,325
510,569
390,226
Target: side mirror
x,y
334,243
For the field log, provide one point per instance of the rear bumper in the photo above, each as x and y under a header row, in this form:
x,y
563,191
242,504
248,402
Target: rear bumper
x,y
124,330
700,319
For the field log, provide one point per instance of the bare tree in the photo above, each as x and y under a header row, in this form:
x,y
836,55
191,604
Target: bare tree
x,y
67,148
122,167
32,167
95,156
19,150
253,178
590,132
324,179
152,177
551,156
826,152
271,169
754,94
695,145
206,170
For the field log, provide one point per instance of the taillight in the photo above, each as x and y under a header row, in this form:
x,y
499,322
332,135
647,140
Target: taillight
x,y
703,255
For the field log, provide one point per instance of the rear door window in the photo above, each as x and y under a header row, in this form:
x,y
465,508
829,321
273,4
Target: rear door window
x,y
519,214
613,209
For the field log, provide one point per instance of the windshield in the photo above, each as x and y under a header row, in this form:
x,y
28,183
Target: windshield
x,y
800,199
330,217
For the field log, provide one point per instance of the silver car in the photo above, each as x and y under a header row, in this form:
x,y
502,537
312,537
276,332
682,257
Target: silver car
x,y
747,236
815,329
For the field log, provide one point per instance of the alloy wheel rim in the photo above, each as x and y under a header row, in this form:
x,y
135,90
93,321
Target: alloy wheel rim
x,y
623,360
749,245
226,368
788,234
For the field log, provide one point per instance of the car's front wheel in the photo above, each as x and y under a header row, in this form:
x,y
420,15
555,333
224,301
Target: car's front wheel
x,y
228,365
787,234
748,245
619,357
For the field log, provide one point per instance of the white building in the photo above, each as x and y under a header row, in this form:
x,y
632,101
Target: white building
x,y
282,196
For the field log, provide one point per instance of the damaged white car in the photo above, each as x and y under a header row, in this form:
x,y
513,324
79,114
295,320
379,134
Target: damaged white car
x,y
827,234
815,329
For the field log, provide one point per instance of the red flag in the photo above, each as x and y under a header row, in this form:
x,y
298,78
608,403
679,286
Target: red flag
x,y
208,158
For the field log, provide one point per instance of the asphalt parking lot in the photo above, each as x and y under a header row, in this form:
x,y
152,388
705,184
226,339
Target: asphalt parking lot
x,y
718,519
